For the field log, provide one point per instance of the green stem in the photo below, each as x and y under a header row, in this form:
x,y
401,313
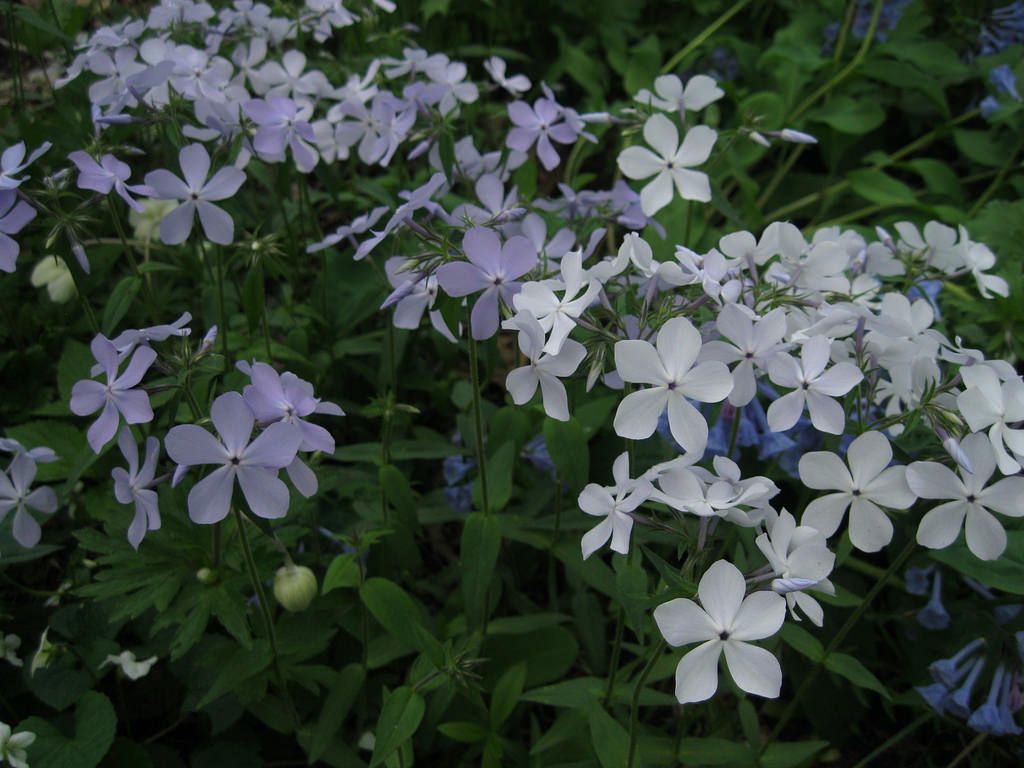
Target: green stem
x,y
996,182
268,619
613,664
966,751
734,433
893,740
837,55
478,422
634,718
700,39
90,316
146,287
851,622
222,318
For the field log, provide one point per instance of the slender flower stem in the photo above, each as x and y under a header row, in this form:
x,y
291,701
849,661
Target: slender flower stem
x,y
997,182
222,318
613,663
734,433
478,422
90,316
634,718
268,619
893,740
877,587
700,39
132,261
966,751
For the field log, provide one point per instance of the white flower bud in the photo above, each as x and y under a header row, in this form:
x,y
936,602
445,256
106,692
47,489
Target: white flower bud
x,y
295,587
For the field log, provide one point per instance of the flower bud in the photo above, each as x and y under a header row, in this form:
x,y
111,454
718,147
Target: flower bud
x,y
295,587
206,576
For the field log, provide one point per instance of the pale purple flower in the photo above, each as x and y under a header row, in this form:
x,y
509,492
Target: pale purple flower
x,y
493,269
106,175
39,455
116,69
15,494
13,161
516,84
378,129
421,197
539,124
117,396
454,88
196,194
290,78
176,12
497,205
359,225
14,216
133,485
283,123
413,294
254,464
197,75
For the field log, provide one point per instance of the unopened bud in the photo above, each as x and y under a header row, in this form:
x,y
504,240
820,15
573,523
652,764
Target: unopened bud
x,y
295,587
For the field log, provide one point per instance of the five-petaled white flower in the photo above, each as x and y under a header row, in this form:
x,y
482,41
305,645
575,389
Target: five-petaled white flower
x,y
557,315
670,163
544,369
747,341
670,96
968,498
987,403
868,484
724,622
613,503
673,377
800,560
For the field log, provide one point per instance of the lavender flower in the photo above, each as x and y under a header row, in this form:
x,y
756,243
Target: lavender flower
x,y
118,395
540,124
13,161
283,123
106,175
133,485
38,455
196,194
14,216
493,269
15,494
275,397
254,464
359,225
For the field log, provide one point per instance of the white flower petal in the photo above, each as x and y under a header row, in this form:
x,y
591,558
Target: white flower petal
x,y
754,669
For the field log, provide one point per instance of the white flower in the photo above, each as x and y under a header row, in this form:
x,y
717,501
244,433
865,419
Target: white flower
x,y
132,668
557,315
937,247
750,342
544,369
516,84
700,91
13,746
868,484
9,645
801,560
53,273
977,257
969,498
671,163
671,371
701,493
640,254
987,403
813,385
725,621
613,503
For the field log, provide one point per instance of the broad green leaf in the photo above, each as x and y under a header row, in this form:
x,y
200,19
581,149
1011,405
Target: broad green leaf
x,y
1006,573
463,732
500,467
506,695
714,751
749,724
608,737
567,446
340,697
795,753
342,572
878,187
94,728
848,115
119,302
850,668
396,612
478,553
398,721
802,641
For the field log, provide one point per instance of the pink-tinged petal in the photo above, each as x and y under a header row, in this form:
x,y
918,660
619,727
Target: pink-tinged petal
x,y
302,477
637,415
275,447
657,194
563,133
760,615
87,397
134,406
708,382
518,257
682,622
315,438
662,134
195,165
137,528
870,527
26,530
785,412
103,429
224,184
520,113
940,526
721,591
122,484
233,420
824,471
176,226
17,219
639,163
687,424
483,248
754,670
143,358
638,362
826,414
130,451
697,146
485,316
697,673
521,139
209,501
692,185
166,186
985,535
460,278
825,513
218,225
596,537
266,494
189,444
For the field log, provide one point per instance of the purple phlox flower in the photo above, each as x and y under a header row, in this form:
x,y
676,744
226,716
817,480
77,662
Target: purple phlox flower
x,y
539,125
131,338
454,88
283,123
934,615
149,85
421,197
115,69
254,464
196,194
497,206
39,455
535,229
471,164
13,161
289,78
106,175
331,15
177,12
360,87
117,396
378,129
198,75
492,268
516,84
132,486
16,494
247,57
1005,81
15,215
359,225
413,61
222,121
413,294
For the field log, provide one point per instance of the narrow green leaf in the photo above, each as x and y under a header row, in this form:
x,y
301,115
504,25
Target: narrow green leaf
x,y
335,709
850,668
506,695
120,302
478,551
398,721
608,737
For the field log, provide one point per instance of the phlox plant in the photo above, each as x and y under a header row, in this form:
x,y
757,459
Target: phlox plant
x,y
378,396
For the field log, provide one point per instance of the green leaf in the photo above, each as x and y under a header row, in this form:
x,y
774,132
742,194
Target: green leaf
x,y
506,695
119,302
340,697
792,754
500,468
848,667
853,116
631,589
644,64
567,446
802,641
749,724
94,728
399,719
608,738
241,666
464,732
254,297
878,187
478,553
342,572
400,616
982,147
714,751
1006,573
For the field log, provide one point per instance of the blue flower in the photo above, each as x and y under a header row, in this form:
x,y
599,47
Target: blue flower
x,y
536,452
1005,81
934,615
917,579
460,497
959,701
951,671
